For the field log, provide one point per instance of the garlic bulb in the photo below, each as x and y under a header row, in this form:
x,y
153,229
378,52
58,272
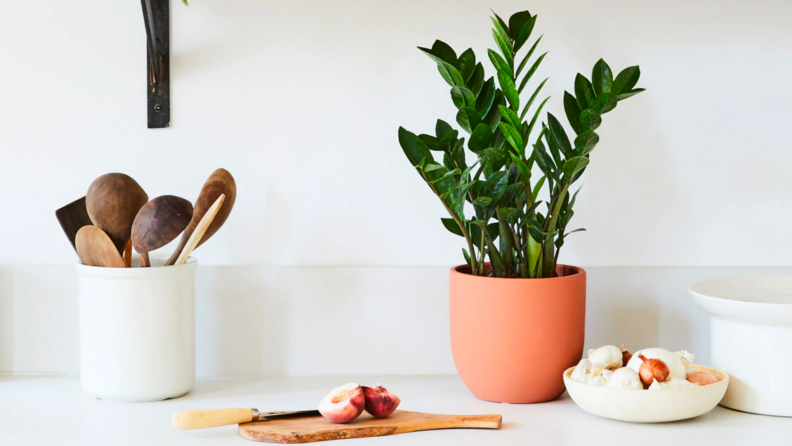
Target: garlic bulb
x,y
605,357
600,380
673,383
625,378
677,362
581,370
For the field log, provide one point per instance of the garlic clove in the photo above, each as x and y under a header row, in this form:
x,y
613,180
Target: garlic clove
x,y
625,378
605,357
702,378
581,370
600,380
673,383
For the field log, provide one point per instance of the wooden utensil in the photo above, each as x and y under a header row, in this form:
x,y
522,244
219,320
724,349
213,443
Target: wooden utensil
x,y
220,182
159,222
202,419
72,217
311,429
128,255
96,249
200,230
113,201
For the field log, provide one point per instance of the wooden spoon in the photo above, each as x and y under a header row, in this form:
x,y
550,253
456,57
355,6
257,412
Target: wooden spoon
x,y
200,230
220,182
96,249
72,217
159,222
113,201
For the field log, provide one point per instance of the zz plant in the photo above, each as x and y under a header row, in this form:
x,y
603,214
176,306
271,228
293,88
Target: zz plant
x,y
507,225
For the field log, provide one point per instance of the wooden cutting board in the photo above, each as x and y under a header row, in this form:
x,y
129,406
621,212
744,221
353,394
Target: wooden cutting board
x,y
315,428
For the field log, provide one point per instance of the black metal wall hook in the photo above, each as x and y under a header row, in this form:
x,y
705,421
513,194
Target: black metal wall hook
x,y
156,16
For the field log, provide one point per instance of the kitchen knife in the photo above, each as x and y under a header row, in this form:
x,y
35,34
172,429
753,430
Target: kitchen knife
x,y
200,419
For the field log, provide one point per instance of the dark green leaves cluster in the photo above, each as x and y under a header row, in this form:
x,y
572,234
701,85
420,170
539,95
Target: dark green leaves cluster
x,y
507,142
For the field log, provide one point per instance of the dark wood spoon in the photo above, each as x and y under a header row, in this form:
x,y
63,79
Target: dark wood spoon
x,y
220,182
72,217
113,201
158,223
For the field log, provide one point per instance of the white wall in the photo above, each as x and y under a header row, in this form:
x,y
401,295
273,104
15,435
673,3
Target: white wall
x,y
301,101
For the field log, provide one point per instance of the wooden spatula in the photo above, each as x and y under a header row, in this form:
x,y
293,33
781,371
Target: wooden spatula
x,y
72,217
96,249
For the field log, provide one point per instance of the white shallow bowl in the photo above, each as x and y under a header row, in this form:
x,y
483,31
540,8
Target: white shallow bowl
x,y
648,406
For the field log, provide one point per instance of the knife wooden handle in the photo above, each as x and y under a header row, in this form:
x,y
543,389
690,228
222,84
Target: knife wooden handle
x,y
200,419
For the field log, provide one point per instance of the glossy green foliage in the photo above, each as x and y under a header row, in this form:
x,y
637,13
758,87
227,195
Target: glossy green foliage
x,y
490,195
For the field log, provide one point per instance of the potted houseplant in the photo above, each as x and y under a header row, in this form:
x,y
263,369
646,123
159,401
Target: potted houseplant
x,y
517,315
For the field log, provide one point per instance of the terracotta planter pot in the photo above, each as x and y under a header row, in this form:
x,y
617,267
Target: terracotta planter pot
x,y
512,339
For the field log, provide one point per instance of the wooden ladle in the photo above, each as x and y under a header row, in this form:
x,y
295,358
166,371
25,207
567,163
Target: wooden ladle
x,y
96,249
220,182
113,201
159,222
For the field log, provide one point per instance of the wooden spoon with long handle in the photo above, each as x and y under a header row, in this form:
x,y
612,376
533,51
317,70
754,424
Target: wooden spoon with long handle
x,y
220,182
96,249
159,222
113,201
72,217
200,230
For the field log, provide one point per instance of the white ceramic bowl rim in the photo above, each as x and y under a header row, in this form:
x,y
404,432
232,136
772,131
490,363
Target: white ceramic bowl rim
x,y
764,300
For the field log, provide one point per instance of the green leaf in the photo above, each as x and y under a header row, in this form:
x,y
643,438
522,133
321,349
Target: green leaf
x,y
467,64
559,135
502,23
530,72
527,57
499,62
522,167
509,90
504,48
601,77
480,139
450,74
536,115
533,96
524,26
574,165
442,128
590,119
493,159
448,141
544,161
493,117
468,118
452,226
626,80
486,97
572,112
185,2
510,116
445,52
495,185
467,256
431,143
576,230
513,137
605,103
510,215
537,188
413,147
584,92
476,81
463,97
553,146
482,201
628,94
585,142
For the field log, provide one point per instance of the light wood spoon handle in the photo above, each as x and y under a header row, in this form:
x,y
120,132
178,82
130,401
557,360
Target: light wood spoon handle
x,y
203,225
200,419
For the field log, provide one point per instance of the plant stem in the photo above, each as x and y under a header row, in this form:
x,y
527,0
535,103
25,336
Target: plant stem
x,y
473,263
548,269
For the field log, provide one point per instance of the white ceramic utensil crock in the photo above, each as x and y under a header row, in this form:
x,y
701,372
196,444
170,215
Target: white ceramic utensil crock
x,y
137,331
751,339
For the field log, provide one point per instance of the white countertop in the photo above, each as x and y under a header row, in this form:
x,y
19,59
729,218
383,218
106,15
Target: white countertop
x,y
53,410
